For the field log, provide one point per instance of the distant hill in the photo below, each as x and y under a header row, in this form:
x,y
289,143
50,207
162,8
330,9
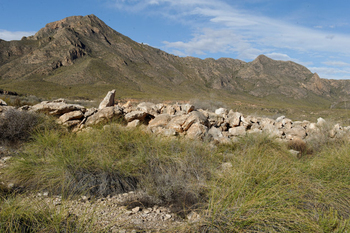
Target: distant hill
x,y
81,57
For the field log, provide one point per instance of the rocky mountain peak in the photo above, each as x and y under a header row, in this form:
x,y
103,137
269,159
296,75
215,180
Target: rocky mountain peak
x,y
85,25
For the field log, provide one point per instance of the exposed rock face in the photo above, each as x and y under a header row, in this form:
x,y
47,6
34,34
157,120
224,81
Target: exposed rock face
x,y
98,47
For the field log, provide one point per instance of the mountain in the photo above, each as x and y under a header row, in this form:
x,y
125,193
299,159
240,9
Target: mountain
x,y
81,57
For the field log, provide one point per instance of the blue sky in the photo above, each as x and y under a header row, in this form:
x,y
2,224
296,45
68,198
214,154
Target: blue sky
x,y
313,33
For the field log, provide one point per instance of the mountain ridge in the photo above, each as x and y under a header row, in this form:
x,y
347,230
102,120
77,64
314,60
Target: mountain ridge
x,y
79,52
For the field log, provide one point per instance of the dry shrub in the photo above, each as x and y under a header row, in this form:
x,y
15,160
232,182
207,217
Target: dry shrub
x,y
16,126
300,145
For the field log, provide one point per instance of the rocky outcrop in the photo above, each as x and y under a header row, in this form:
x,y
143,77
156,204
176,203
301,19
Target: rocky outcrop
x,y
220,126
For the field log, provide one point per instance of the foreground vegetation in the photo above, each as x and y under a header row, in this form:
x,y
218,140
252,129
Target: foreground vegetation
x,y
253,185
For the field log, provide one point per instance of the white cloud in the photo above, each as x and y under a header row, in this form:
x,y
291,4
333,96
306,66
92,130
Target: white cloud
x,y
279,56
336,63
223,28
245,28
8,35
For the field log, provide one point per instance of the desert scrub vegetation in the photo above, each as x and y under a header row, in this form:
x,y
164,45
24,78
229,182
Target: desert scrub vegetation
x,y
252,185
114,160
268,190
18,126
20,214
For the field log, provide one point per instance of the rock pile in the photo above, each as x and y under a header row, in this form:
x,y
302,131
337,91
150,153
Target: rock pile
x,y
221,126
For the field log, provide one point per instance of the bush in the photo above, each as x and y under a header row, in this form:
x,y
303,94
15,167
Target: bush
x,y
17,125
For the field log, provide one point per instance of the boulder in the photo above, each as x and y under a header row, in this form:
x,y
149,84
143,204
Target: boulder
x,y
321,122
139,115
108,101
297,131
104,115
233,119
187,108
160,120
337,130
57,107
221,111
90,112
197,131
177,122
148,107
279,119
2,103
74,115
195,117
237,131
215,133
169,110
134,124
168,132
272,130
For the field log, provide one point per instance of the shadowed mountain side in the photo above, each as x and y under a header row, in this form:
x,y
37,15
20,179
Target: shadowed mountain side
x,y
83,57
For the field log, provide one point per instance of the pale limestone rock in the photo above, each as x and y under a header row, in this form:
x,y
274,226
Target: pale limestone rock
x,y
57,107
140,115
148,107
294,152
160,120
296,132
255,130
134,124
187,108
221,111
195,117
279,119
321,121
233,118
2,103
69,116
108,101
104,114
197,131
90,112
272,130
215,133
266,121
169,110
237,131
168,132
177,122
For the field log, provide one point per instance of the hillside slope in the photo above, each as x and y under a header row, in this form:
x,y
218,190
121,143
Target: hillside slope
x,y
83,57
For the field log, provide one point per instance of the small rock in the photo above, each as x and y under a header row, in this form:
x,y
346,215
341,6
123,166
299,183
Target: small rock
x,y
136,209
